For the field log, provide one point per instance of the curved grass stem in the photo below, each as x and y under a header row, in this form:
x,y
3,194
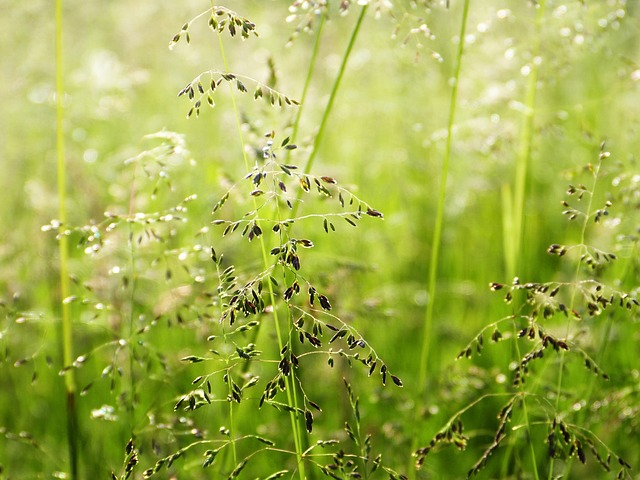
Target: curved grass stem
x,y
298,433
437,232
526,422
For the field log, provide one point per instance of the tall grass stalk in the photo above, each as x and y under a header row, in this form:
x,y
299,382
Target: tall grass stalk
x,y
525,416
437,231
299,433
583,247
309,164
63,248
296,123
332,97
310,71
514,206
513,219
132,294
292,401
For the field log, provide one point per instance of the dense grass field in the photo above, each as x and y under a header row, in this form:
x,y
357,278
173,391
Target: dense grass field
x,y
320,239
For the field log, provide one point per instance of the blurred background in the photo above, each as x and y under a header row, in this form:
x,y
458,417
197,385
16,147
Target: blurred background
x,y
385,140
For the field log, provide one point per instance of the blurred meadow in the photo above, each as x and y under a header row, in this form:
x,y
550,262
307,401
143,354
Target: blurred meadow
x,y
486,154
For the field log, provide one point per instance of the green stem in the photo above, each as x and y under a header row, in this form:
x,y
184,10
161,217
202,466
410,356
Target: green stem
x,y
307,82
63,247
296,125
583,234
290,384
514,206
332,98
514,244
132,294
437,232
232,428
525,415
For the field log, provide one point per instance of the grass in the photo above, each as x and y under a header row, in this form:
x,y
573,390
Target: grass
x,y
63,251
437,231
163,386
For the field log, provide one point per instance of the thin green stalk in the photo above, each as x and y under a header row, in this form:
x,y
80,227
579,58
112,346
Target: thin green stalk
x,y
323,121
132,293
583,234
513,237
296,124
514,205
437,232
525,415
310,70
290,384
232,427
291,392
63,246
332,97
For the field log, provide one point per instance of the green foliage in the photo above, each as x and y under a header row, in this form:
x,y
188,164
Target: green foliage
x,y
242,304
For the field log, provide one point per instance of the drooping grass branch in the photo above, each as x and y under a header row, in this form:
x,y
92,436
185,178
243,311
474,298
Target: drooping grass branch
x,y
538,304
298,332
437,232
63,249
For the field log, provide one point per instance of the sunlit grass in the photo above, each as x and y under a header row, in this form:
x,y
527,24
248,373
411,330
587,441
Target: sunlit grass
x,y
141,303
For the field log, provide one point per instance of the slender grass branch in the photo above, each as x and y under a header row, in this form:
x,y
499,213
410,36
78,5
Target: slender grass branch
x,y
63,246
437,232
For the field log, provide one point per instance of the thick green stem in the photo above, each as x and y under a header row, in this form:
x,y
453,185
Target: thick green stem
x,y
437,232
63,246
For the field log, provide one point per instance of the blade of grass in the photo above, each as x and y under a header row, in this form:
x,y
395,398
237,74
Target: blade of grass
x,y
437,233
63,247
132,295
